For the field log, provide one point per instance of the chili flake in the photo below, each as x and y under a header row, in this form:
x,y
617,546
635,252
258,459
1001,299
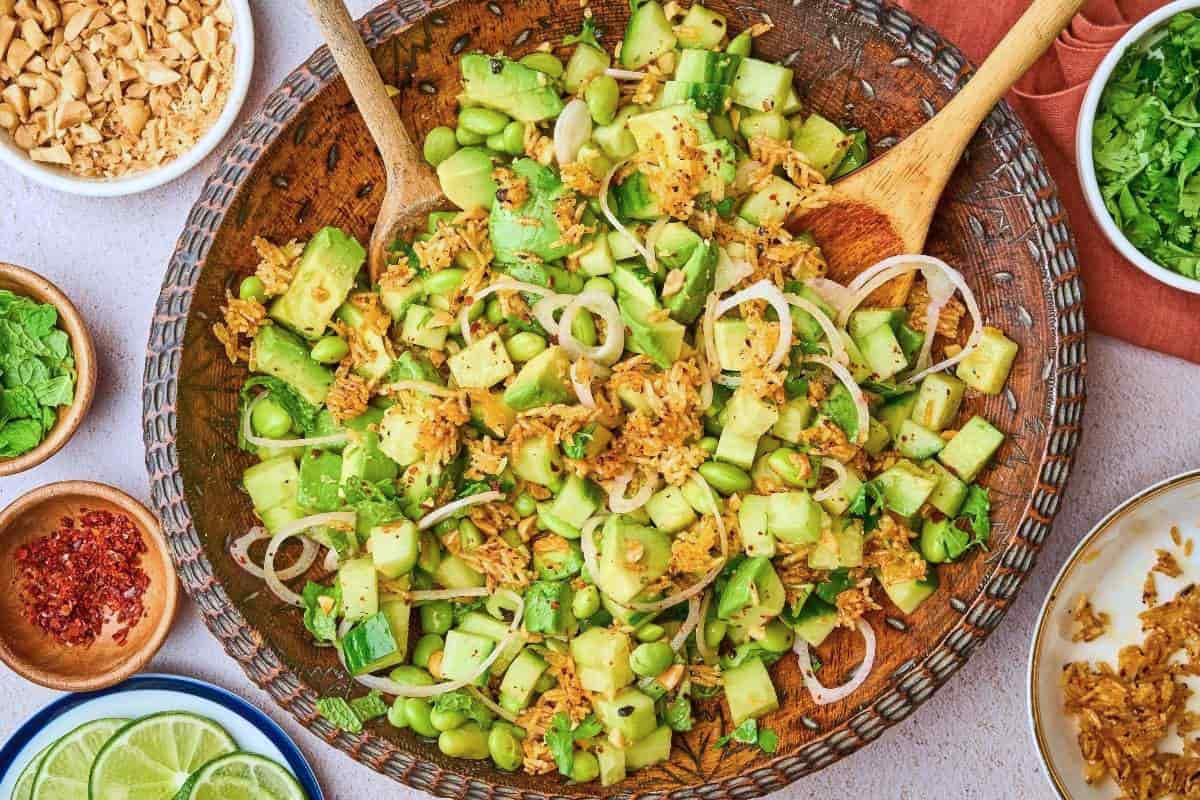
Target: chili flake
x,y
85,573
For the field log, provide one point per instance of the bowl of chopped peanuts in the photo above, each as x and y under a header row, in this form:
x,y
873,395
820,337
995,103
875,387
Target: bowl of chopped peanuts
x,y
107,99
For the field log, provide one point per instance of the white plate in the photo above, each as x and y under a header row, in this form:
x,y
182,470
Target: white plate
x,y
253,731
1110,567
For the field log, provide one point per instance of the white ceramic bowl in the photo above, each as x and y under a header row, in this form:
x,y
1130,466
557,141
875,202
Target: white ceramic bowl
x,y
1083,148
1109,565
59,178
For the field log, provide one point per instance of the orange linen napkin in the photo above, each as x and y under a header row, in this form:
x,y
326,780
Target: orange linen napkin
x,y
1121,300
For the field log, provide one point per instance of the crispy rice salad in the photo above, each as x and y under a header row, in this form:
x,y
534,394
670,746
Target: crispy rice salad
x,y
604,441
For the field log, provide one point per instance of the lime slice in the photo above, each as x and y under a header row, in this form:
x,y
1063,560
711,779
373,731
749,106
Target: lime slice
x,y
24,788
63,774
150,759
242,776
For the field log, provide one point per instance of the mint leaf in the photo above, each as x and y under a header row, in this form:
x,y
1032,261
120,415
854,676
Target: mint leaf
x,y
340,714
370,706
465,703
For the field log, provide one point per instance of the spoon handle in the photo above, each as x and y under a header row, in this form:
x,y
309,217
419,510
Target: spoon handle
x,y
366,86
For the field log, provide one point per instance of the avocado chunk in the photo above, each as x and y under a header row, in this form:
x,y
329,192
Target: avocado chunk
x,y
277,352
320,480
602,657
632,557
548,607
577,501
698,274
466,178
482,365
509,86
675,244
749,690
323,279
661,340
356,313
532,227
543,381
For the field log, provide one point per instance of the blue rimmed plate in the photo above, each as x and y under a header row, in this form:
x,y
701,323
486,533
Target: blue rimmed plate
x,y
253,730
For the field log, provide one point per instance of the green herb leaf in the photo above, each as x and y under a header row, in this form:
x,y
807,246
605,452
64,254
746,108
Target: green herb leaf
x,y
340,714
589,34
303,413
369,707
466,703
37,372
561,742
977,510
577,446
322,625
768,741
867,505
679,713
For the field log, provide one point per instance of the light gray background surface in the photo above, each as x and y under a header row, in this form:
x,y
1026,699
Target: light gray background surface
x,y
971,740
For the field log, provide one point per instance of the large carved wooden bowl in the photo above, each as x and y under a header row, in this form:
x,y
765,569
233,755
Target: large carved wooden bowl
x,y
306,161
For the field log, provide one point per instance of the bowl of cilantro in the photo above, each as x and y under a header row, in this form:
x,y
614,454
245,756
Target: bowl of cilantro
x,y
47,369
1138,145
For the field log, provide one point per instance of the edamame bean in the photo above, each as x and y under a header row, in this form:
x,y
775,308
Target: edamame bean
x,y
650,632
469,535
270,419
525,505
253,288
416,713
602,285
396,715
709,444
650,659
411,676
484,121
586,767
741,45
585,602
714,632
602,96
512,138
725,478
777,637
792,466
447,720
467,138
583,328
444,281
440,144
437,617
524,346
330,350
504,748
468,741
494,312
544,62
426,646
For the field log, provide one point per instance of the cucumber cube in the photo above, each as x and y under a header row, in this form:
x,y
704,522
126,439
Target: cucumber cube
x,y
882,352
906,487
907,595
850,541
612,763
971,448
986,368
701,27
371,646
602,656
866,320
732,339
918,442
794,418
843,492
938,401
394,548
950,493
815,621
895,411
521,677
272,483
878,438
749,690
454,573
652,749
597,259
771,204
752,523
425,327
823,143
761,85
794,517
463,654
630,712
577,501
670,511
359,583
736,449
482,365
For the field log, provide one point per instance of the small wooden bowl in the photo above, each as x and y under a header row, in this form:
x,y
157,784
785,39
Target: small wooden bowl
x,y
29,284
37,656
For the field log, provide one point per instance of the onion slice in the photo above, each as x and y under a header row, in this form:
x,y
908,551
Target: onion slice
x,y
450,509
240,550
764,290
571,131
624,74
260,441
587,542
619,503
837,348
689,624
831,490
608,351
973,340
583,389
831,292
823,696
543,311
612,218
330,564
426,595
391,687
288,531
702,647
506,285
652,241
856,393
496,708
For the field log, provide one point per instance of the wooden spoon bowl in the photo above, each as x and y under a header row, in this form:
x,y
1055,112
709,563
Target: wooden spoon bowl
x,y
38,657
29,284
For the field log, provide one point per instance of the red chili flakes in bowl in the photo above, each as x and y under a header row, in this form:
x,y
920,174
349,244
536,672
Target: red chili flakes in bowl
x,y
85,573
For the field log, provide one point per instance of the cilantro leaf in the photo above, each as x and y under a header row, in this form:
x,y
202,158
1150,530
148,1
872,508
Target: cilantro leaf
x,y
748,733
340,714
374,503
977,510
320,623
473,487
561,738
867,505
465,703
576,447
768,741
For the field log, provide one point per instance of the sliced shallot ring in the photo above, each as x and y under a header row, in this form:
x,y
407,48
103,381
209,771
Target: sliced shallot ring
x,y
583,389
450,509
652,243
831,292
260,441
428,595
732,271
288,531
856,393
612,218
702,647
240,550
571,131
624,74
689,625
831,490
973,340
837,348
608,351
823,695
619,503
504,285
764,290
587,542
543,311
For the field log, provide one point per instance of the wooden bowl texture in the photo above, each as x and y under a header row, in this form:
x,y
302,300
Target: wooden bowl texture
x,y
36,656
29,284
306,161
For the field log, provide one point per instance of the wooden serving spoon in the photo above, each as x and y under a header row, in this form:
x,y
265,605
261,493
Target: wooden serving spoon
x,y
412,188
885,208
